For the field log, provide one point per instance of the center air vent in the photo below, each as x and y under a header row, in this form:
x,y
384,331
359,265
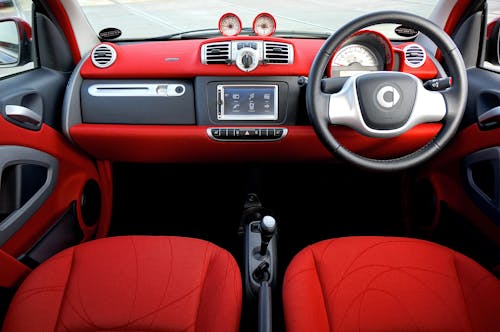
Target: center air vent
x,y
103,56
414,55
216,53
278,53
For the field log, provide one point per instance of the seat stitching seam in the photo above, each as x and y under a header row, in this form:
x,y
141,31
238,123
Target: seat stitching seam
x,y
316,269
136,281
202,285
462,291
64,289
167,287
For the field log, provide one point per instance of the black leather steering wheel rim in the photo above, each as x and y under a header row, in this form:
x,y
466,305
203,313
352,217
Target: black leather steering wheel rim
x,y
455,97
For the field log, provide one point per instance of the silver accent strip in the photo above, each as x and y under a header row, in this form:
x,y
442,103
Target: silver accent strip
x,y
343,109
136,90
16,155
263,139
71,109
23,114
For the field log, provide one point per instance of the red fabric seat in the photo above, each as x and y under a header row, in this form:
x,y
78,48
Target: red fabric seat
x,y
131,283
388,284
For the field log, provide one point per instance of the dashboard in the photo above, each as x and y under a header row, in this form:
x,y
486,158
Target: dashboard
x,y
232,97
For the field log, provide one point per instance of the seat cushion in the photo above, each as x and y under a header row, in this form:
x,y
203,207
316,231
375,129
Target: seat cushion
x,y
388,284
131,283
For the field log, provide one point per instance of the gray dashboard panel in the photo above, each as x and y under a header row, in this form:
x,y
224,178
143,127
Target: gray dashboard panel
x,y
138,102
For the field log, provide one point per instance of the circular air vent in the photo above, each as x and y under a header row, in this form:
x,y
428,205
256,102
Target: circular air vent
x,y
103,56
414,55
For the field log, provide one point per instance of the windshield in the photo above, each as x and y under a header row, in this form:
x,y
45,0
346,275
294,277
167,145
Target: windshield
x,y
143,19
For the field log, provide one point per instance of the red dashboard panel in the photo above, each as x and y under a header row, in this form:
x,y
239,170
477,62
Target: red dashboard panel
x,y
140,143
182,59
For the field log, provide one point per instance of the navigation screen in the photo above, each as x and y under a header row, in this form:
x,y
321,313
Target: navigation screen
x,y
247,102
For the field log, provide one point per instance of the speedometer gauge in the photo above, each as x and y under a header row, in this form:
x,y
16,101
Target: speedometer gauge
x,y
355,55
229,24
264,24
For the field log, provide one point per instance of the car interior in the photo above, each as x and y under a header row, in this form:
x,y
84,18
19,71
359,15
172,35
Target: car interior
x,y
247,178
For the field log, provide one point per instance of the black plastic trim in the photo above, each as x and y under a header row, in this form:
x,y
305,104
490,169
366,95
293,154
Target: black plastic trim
x,y
65,233
487,200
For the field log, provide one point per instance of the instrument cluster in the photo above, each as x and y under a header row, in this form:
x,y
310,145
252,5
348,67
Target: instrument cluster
x,y
362,52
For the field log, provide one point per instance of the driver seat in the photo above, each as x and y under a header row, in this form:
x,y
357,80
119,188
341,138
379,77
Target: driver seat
x,y
374,283
131,283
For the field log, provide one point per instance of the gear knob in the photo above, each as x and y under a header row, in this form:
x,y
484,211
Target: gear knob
x,y
267,230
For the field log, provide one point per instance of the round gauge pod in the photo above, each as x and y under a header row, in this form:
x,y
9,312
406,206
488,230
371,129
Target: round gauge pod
x,y
264,24
229,24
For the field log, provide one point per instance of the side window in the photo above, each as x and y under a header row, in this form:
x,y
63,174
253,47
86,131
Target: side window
x,y
16,37
492,55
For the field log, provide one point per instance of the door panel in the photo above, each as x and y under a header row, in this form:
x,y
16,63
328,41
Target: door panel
x,y
454,198
52,195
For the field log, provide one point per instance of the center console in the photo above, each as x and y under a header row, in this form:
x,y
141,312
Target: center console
x,y
247,101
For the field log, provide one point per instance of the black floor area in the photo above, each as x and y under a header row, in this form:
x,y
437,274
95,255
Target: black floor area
x,y
310,202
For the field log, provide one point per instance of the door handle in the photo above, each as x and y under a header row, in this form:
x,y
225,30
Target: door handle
x,y
490,117
23,114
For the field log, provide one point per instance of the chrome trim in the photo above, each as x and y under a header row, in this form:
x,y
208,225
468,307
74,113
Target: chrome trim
x,y
23,114
98,49
290,58
136,90
204,50
421,63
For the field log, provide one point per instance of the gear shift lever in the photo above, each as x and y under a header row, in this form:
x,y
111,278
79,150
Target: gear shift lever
x,y
267,230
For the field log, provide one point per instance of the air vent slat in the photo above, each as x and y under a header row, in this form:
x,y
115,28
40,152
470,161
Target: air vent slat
x,y
216,53
414,55
278,53
103,56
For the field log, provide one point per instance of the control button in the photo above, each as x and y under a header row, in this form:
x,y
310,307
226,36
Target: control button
x,y
179,89
216,132
247,134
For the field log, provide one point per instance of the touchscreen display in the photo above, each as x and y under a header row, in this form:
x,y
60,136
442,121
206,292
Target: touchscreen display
x,y
247,102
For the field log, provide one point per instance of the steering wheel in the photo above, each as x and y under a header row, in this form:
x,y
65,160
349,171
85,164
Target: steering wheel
x,y
387,103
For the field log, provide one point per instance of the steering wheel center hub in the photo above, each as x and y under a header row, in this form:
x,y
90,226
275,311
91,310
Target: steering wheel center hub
x,y
386,100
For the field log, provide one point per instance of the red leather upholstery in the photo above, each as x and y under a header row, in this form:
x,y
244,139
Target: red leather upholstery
x,y
131,283
388,284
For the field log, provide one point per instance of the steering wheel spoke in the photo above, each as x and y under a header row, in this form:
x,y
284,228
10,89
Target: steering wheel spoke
x,y
382,117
